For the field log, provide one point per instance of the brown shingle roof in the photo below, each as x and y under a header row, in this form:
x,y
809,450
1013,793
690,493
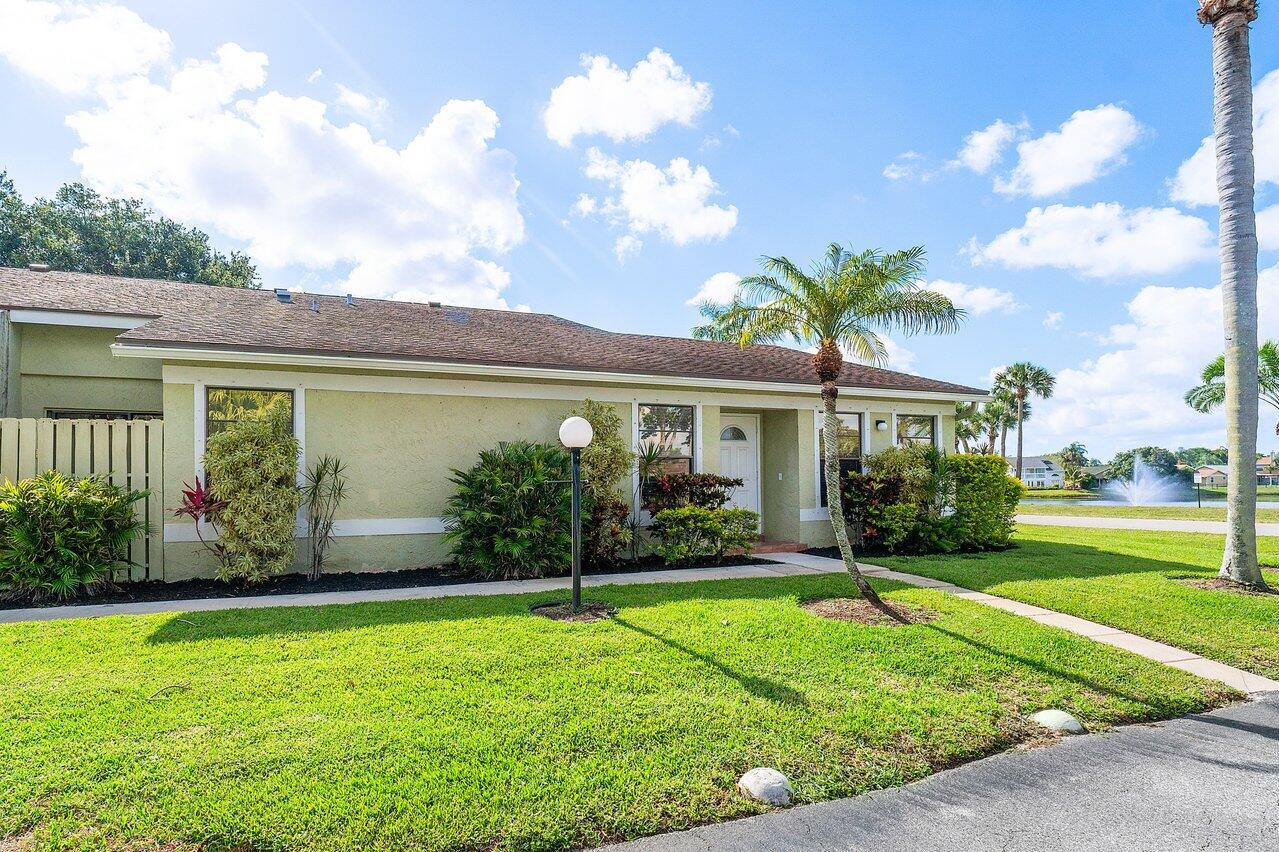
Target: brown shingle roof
x,y
202,317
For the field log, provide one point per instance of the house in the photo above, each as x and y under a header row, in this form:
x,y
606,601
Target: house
x,y
1210,475
1097,474
1037,472
405,392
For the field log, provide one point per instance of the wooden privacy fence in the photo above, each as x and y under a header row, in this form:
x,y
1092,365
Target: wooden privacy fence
x,y
129,453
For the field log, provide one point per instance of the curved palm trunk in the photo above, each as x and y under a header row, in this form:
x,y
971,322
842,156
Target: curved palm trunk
x,y
1232,125
830,464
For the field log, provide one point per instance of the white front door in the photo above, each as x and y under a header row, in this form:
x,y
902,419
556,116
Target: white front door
x,y
739,457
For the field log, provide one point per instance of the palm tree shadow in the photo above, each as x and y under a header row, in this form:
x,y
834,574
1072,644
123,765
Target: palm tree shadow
x,y
760,687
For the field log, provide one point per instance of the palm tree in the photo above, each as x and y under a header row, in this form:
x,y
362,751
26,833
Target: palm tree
x,y
837,306
996,415
1211,392
1237,241
1020,380
968,425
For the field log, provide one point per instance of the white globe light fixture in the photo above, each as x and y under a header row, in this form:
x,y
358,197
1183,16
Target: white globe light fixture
x,y
576,433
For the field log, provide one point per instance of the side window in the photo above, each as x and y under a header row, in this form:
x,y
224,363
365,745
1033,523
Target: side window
x,y
848,446
224,406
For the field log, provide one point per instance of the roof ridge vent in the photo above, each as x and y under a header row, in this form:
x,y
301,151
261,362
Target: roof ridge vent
x,y
314,305
435,304
284,296
38,267
350,300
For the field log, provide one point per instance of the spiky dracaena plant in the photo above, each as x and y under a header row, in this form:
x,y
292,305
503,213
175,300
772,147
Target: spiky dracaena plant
x,y
1237,245
841,304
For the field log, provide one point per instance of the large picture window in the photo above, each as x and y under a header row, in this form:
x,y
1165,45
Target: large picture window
x,y
670,429
916,429
848,445
224,406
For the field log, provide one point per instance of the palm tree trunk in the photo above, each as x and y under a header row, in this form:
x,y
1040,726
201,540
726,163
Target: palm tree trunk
x,y
1003,441
835,498
1232,126
1020,410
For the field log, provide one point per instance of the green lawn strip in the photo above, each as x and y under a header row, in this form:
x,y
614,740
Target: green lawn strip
x,y
1220,493
1188,513
1062,494
1129,579
468,723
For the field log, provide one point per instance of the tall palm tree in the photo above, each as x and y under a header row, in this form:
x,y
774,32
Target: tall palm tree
x,y
839,305
968,425
1237,241
995,417
1211,391
1020,380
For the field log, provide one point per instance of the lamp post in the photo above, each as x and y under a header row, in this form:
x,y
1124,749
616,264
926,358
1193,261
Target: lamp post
x,y
576,433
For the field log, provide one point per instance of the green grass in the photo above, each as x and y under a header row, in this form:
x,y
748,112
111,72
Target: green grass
x,y
1061,494
1191,512
468,723
1127,579
1262,491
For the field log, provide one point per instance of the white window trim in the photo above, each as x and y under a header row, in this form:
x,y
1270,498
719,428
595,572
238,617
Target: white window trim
x,y
863,417
202,411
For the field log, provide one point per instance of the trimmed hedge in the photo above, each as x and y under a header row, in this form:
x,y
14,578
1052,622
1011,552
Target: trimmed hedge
x,y
985,501
691,533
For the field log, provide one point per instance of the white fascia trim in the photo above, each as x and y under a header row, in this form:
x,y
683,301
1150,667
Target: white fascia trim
x,y
176,532
357,363
77,318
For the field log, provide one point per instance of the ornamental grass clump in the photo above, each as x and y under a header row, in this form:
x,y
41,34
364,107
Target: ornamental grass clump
x,y
253,466
510,517
60,536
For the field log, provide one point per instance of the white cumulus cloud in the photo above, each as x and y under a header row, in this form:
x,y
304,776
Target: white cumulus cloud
x,y
719,288
369,107
1087,144
1268,228
672,202
1102,240
1131,395
624,105
983,149
75,46
1053,319
1196,180
976,300
207,143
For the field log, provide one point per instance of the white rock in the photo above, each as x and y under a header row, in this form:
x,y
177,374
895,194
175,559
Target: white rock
x,y
765,785
1059,720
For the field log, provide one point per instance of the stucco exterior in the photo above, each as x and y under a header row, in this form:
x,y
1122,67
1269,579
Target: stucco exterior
x,y
402,432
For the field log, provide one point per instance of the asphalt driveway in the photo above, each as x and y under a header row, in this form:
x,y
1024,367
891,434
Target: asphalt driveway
x,y
1209,781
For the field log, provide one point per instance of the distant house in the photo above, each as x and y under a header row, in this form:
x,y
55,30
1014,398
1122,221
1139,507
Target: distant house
x,y
1097,474
1037,472
1211,475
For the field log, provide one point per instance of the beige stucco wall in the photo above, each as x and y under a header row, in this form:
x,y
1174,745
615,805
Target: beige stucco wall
x,y
72,367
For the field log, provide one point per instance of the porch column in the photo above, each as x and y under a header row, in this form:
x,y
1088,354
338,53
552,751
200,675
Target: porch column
x,y
782,472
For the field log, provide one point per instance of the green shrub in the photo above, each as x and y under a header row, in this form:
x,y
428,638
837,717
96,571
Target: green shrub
x,y
253,466
60,535
606,461
511,515
690,533
985,501
890,525
704,490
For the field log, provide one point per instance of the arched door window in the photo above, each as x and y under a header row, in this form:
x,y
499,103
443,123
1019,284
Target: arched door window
x,y
732,433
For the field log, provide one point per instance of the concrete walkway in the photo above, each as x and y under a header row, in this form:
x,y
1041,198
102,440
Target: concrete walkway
x,y
788,564
1207,781
1162,524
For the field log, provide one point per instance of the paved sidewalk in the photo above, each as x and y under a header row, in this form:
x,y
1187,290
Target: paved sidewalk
x,y
1208,781
1160,524
787,564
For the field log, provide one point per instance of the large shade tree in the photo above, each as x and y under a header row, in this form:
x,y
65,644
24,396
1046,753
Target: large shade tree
x,y
842,303
1020,381
1237,244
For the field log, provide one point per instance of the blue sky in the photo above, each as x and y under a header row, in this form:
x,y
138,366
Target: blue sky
x,y
296,130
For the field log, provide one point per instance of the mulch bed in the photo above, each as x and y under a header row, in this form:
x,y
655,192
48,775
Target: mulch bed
x,y
298,584
563,611
1219,584
862,612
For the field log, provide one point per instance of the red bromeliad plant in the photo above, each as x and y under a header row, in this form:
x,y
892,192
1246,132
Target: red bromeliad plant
x,y
199,504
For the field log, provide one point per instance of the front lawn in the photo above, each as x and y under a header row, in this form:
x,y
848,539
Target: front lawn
x,y
469,723
1130,579
1190,512
1062,494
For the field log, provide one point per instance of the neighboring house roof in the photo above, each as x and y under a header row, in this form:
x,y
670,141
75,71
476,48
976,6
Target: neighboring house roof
x,y
1212,468
198,316
1033,461
1096,469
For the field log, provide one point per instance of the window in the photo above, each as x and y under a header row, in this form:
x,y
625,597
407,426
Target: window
x,y
848,445
915,429
85,414
225,406
732,433
670,429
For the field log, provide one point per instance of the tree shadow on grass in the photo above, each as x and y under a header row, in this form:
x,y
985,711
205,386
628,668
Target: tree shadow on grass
x,y
760,687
